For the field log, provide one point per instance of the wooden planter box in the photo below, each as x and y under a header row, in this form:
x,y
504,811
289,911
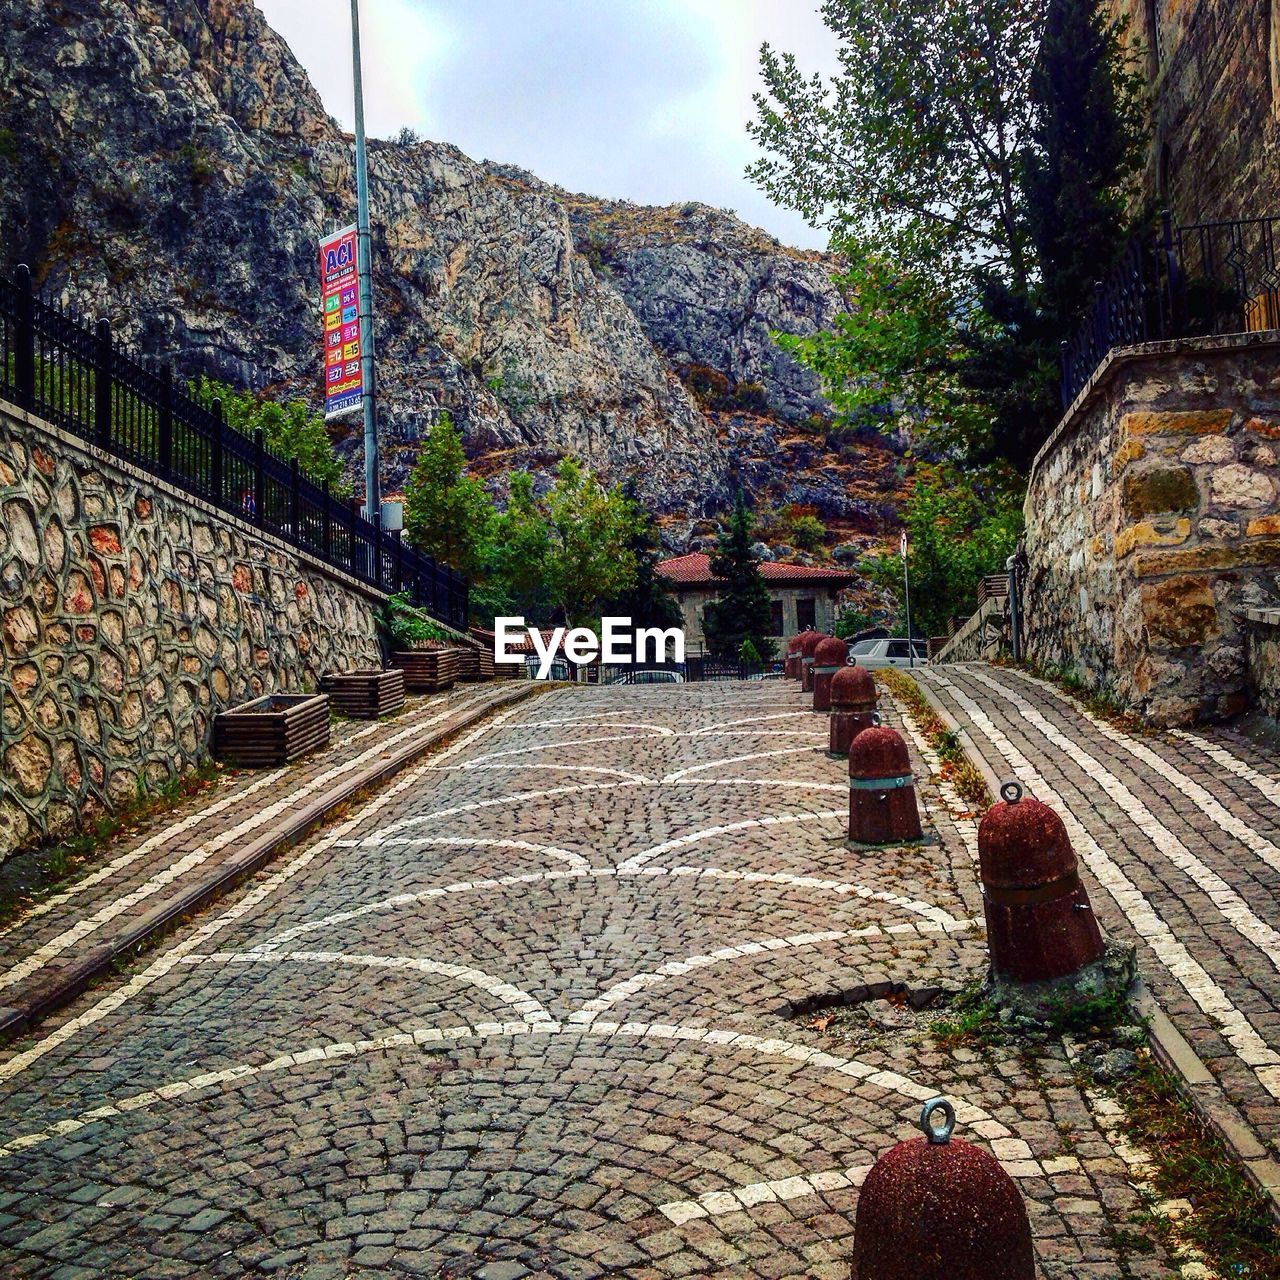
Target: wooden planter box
x,y
427,670
475,664
272,731
365,695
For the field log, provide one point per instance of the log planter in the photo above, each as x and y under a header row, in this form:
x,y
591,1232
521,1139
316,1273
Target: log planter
x,y
475,665
365,695
272,731
427,670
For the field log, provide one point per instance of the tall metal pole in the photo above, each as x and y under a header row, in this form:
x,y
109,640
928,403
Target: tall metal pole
x,y
364,272
906,597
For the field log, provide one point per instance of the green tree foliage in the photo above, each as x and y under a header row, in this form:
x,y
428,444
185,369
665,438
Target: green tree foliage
x,y
511,580
649,601
447,513
291,430
743,612
589,535
959,529
913,144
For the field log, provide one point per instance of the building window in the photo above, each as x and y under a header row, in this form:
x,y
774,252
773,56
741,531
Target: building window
x,y
775,621
806,613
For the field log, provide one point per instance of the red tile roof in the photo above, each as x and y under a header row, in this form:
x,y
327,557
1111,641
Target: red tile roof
x,y
695,569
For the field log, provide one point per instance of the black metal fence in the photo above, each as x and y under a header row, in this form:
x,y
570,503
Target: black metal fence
x,y
1211,278
78,376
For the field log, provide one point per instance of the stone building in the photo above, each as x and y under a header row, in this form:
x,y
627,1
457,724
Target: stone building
x,y
802,596
1214,69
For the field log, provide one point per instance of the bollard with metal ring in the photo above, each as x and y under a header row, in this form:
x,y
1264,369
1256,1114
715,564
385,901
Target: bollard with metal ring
x,y
809,641
939,1208
882,791
1039,922
829,657
853,703
791,663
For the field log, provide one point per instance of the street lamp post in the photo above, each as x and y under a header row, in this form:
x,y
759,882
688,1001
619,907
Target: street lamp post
x,y
364,272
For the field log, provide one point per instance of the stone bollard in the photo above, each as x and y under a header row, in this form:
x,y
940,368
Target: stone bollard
x,y
934,1208
831,655
791,663
1040,926
882,792
809,641
853,702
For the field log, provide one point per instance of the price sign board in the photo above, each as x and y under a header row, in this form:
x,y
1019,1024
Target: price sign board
x,y
340,311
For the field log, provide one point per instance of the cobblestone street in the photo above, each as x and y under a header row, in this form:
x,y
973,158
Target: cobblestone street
x,y
544,1005
1178,836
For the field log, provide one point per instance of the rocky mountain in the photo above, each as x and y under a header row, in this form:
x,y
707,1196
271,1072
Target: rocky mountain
x,y
168,164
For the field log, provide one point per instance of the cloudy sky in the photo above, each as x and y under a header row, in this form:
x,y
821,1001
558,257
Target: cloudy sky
x,y
644,100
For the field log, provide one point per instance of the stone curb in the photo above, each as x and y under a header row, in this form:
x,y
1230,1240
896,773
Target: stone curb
x,y
62,983
1170,1048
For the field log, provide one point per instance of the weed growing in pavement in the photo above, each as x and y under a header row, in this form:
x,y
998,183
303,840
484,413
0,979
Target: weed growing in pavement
x,y
957,768
1229,1221
1102,704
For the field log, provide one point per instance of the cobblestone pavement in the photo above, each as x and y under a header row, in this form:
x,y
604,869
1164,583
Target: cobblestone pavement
x,y
139,869
544,1006
1179,835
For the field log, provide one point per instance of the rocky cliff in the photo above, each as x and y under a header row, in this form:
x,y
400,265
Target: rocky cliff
x,y
168,164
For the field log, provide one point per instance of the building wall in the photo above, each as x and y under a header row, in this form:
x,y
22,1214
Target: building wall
x,y
1152,524
693,600
130,614
1214,69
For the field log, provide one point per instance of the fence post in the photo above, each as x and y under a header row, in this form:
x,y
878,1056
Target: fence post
x,y
24,338
165,443
1064,364
295,506
326,523
1173,275
399,560
102,383
351,527
215,470
259,480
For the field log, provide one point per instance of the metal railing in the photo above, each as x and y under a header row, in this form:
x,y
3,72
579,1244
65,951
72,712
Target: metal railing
x,y
78,376
1207,279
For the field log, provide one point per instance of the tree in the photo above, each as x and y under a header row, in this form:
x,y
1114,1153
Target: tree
x,y
589,532
649,601
447,513
512,579
958,530
743,611
290,430
914,144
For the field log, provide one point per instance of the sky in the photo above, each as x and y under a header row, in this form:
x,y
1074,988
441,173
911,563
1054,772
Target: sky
x,y
643,100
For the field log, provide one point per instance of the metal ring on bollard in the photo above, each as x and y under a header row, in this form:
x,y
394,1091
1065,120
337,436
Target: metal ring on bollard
x,y
1011,792
938,1135
876,720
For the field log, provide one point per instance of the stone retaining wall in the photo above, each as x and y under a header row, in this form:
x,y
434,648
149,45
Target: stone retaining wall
x,y
1152,523
983,638
129,614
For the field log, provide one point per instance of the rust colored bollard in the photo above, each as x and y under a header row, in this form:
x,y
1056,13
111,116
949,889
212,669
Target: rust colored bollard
x,y
882,792
791,663
831,655
1039,922
809,641
935,1208
853,701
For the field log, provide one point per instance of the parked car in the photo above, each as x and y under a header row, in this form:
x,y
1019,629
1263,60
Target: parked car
x,y
889,652
647,675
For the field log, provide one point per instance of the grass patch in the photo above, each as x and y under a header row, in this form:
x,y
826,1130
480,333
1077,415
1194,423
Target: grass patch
x,y
38,872
1231,1223
957,768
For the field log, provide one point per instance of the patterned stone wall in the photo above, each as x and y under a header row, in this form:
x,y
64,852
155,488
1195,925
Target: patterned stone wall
x,y
1214,70
1153,522
129,615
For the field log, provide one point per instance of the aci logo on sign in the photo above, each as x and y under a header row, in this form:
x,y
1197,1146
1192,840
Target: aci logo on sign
x,y
337,257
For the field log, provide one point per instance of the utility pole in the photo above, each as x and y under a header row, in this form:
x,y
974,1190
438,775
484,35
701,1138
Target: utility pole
x,y
364,272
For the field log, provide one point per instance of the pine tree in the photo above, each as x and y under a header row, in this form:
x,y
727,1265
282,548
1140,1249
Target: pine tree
x,y
446,512
743,612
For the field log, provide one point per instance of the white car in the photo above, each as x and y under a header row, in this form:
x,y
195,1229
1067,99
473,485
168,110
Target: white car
x,y
893,652
648,675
